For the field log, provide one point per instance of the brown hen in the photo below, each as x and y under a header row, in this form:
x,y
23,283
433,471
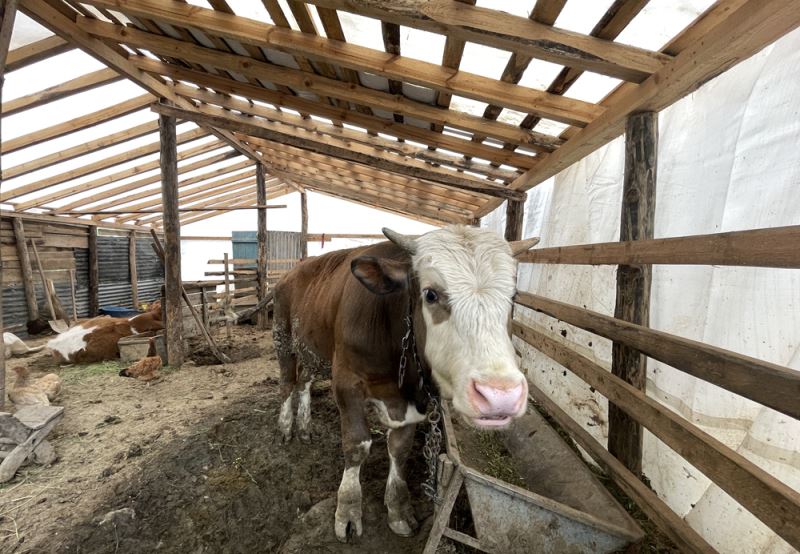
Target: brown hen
x,y
147,368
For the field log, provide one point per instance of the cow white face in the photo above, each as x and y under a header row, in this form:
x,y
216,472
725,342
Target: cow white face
x,y
467,279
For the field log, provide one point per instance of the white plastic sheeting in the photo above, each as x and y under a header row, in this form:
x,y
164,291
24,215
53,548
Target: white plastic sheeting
x,y
728,161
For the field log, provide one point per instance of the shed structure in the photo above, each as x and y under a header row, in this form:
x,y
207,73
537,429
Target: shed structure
x,y
196,108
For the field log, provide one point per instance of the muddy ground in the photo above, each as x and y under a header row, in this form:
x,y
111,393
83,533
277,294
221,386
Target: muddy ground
x,y
192,463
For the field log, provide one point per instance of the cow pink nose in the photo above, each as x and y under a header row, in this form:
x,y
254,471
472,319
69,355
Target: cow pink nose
x,y
496,401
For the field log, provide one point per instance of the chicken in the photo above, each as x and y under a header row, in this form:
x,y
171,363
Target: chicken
x,y
27,391
147,368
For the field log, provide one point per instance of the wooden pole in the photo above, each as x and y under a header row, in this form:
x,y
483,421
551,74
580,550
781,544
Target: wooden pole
x,y
173,311
262,263
515,213
6,27
303,226
25,267
633,281
132,270
45,290
72,295
228,322
94,274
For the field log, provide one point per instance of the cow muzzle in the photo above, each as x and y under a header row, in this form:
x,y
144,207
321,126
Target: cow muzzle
x,y
497,402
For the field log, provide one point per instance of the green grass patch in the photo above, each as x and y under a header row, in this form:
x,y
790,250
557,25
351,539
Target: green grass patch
x,y
77,372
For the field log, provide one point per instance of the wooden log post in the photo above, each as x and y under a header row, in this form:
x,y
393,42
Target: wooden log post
x,y
228,296
132,270
94,274
303,226
515,213
633,281
25,267
9,13
262,262
173,311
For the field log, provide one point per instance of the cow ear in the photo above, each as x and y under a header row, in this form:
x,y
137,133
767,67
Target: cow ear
x,y
380,275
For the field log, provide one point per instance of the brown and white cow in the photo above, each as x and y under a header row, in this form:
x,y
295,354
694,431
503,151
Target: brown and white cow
x,y
95,340
347,311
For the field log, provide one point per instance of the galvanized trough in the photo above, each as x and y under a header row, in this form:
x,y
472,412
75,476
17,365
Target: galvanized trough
x,y
561,508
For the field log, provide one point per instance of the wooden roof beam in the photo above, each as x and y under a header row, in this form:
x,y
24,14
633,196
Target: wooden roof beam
x,y
120,175
63,24
512,33
94,167
744,32
226,120
528,100
36,52
58,92
78,124
117,200
81,150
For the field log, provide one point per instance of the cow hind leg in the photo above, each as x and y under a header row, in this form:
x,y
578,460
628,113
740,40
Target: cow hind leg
x,y
287,360
356,443
402,520
303,391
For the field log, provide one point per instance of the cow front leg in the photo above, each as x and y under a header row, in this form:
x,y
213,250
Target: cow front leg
x,y
397,499
356,443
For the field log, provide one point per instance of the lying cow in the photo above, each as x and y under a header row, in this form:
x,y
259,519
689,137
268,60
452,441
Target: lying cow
x,y
95,340
350,309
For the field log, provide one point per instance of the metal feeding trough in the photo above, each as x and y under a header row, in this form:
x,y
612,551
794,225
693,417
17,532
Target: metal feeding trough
x,y
562,507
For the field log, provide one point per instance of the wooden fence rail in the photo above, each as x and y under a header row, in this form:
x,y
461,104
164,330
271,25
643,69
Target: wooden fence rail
x,y
770,500
776,247
766,383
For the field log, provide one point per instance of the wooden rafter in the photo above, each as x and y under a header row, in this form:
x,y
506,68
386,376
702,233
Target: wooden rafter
x,y
365,59
118,176
221,119
451,59
51,94
99,165
36,52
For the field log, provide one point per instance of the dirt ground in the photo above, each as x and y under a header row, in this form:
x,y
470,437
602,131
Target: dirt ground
x,y
192,463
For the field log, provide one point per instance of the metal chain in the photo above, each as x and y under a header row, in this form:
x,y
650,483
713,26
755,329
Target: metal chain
x,y
404,346
431,450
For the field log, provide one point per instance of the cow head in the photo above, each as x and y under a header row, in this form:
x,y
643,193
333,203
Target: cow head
x,y
461,281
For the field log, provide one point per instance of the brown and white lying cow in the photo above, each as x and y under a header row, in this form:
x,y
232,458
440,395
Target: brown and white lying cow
x,y
349,310
95,340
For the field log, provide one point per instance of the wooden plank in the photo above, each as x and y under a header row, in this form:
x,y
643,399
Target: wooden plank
x,y
262,317
94,274
516,34
766,383
771,501
303,226
515,215
172,241
9,14
227,273
301,139
371,123
363,59
625,435
685,538
57,92
94,167
77,124
25,268
81,149
134,276
36,52
746,31
70,220
775,247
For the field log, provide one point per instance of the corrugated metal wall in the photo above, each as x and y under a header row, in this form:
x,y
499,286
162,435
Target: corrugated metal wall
x,y
281,245
115,285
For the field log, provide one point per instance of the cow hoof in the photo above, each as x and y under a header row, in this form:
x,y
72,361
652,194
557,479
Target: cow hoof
x,y
286,437
402,528
347,524
304,436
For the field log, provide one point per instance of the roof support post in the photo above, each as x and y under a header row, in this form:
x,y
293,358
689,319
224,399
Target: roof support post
x,y
172,310
6,26
94,273
25,269
515,214
132,269
633,281
262,265
303,226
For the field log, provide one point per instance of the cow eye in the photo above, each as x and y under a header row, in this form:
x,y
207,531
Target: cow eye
x,y
431,296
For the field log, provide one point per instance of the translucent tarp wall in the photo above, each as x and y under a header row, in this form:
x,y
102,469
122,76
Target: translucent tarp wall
x,y
728,161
